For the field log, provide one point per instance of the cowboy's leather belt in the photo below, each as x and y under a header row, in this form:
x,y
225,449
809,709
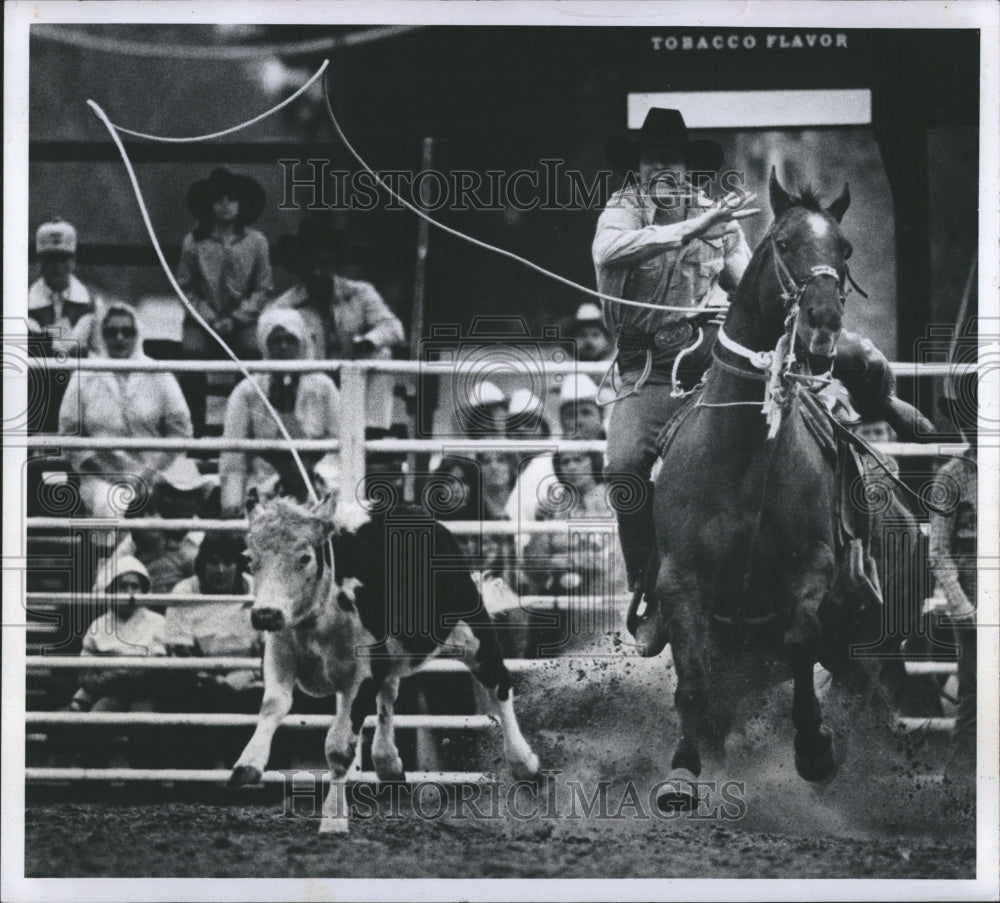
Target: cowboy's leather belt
x,y
672,337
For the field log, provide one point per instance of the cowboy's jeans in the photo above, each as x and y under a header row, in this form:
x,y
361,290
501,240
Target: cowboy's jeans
x,y
636,421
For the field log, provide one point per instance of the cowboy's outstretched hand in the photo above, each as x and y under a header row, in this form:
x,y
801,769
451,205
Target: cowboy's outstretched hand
x,y
721,217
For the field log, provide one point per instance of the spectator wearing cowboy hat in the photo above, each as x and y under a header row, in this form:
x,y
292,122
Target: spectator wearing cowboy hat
x,y
346,318
225,271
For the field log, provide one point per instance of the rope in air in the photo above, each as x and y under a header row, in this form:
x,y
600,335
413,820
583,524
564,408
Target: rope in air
x,y
114,130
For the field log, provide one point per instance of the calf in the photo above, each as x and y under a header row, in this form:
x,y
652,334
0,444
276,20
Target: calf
x,y
351,610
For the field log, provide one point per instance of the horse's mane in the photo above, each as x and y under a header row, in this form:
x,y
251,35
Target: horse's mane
x,y
808,197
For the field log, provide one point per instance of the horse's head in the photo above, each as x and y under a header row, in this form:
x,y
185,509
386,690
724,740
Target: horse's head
x,y
289,550
801,262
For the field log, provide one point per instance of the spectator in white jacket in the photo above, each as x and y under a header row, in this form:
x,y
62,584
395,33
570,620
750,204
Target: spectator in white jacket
x,y
120,405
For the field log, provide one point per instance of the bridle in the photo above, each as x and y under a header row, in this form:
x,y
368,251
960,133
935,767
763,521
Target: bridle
x,y
792,291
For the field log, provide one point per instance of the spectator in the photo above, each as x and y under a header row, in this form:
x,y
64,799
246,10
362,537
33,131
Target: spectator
x,y
580,415
876,432
127,628
345,318
579,418
953,559
215,628
482,412
225,271
308,404
591,337
169,555
121,405
525,417
576,492
59,304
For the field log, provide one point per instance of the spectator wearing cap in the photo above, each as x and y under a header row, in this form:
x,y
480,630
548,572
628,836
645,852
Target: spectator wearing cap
x,y
169,554
59,304
346,318
121,405
225,272
308,404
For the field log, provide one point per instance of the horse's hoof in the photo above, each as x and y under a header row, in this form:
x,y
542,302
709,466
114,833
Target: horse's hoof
x,y
525,769
678,792
820,765
243,775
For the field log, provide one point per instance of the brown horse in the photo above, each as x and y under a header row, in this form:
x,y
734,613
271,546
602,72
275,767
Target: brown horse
x,y
745,509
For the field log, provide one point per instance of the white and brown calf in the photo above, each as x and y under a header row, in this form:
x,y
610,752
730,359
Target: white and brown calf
x,y
336,626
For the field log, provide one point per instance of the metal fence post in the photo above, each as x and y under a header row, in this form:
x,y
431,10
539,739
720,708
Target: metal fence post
x,y
353,380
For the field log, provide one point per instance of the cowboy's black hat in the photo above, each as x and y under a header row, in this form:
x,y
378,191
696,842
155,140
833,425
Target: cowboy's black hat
x,y
663,128
203,193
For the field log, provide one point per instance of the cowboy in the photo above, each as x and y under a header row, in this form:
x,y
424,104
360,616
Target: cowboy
x,y
661,241
346,318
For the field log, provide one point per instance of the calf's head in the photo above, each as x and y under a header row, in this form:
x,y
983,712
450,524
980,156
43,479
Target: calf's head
x,y
290,554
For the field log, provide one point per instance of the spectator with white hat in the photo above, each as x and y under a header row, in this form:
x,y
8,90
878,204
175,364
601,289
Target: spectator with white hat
x,y
590,335
59,304
483,411
579,413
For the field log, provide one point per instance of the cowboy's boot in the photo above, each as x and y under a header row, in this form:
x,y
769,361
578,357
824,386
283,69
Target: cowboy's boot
x,y
644,619
865,371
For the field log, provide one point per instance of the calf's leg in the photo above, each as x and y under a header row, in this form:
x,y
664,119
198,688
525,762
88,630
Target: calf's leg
x,y
279,682
340,748
483,657
388,764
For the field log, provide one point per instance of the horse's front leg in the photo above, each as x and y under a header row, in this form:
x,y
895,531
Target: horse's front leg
x,y
340,748
279,682
690,639
814,750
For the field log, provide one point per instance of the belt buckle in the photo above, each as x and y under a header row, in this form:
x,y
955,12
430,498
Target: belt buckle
x,y
672,336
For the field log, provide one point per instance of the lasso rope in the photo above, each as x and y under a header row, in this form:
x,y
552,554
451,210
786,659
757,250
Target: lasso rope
x,y
113,130
510,255
229,131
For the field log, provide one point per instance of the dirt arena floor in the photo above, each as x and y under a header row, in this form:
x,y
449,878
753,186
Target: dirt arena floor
x,y
896,809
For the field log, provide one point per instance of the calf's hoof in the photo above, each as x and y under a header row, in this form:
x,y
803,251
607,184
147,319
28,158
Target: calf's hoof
x,y
525,769
243,775
819,762
678,792
390,771
333,825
